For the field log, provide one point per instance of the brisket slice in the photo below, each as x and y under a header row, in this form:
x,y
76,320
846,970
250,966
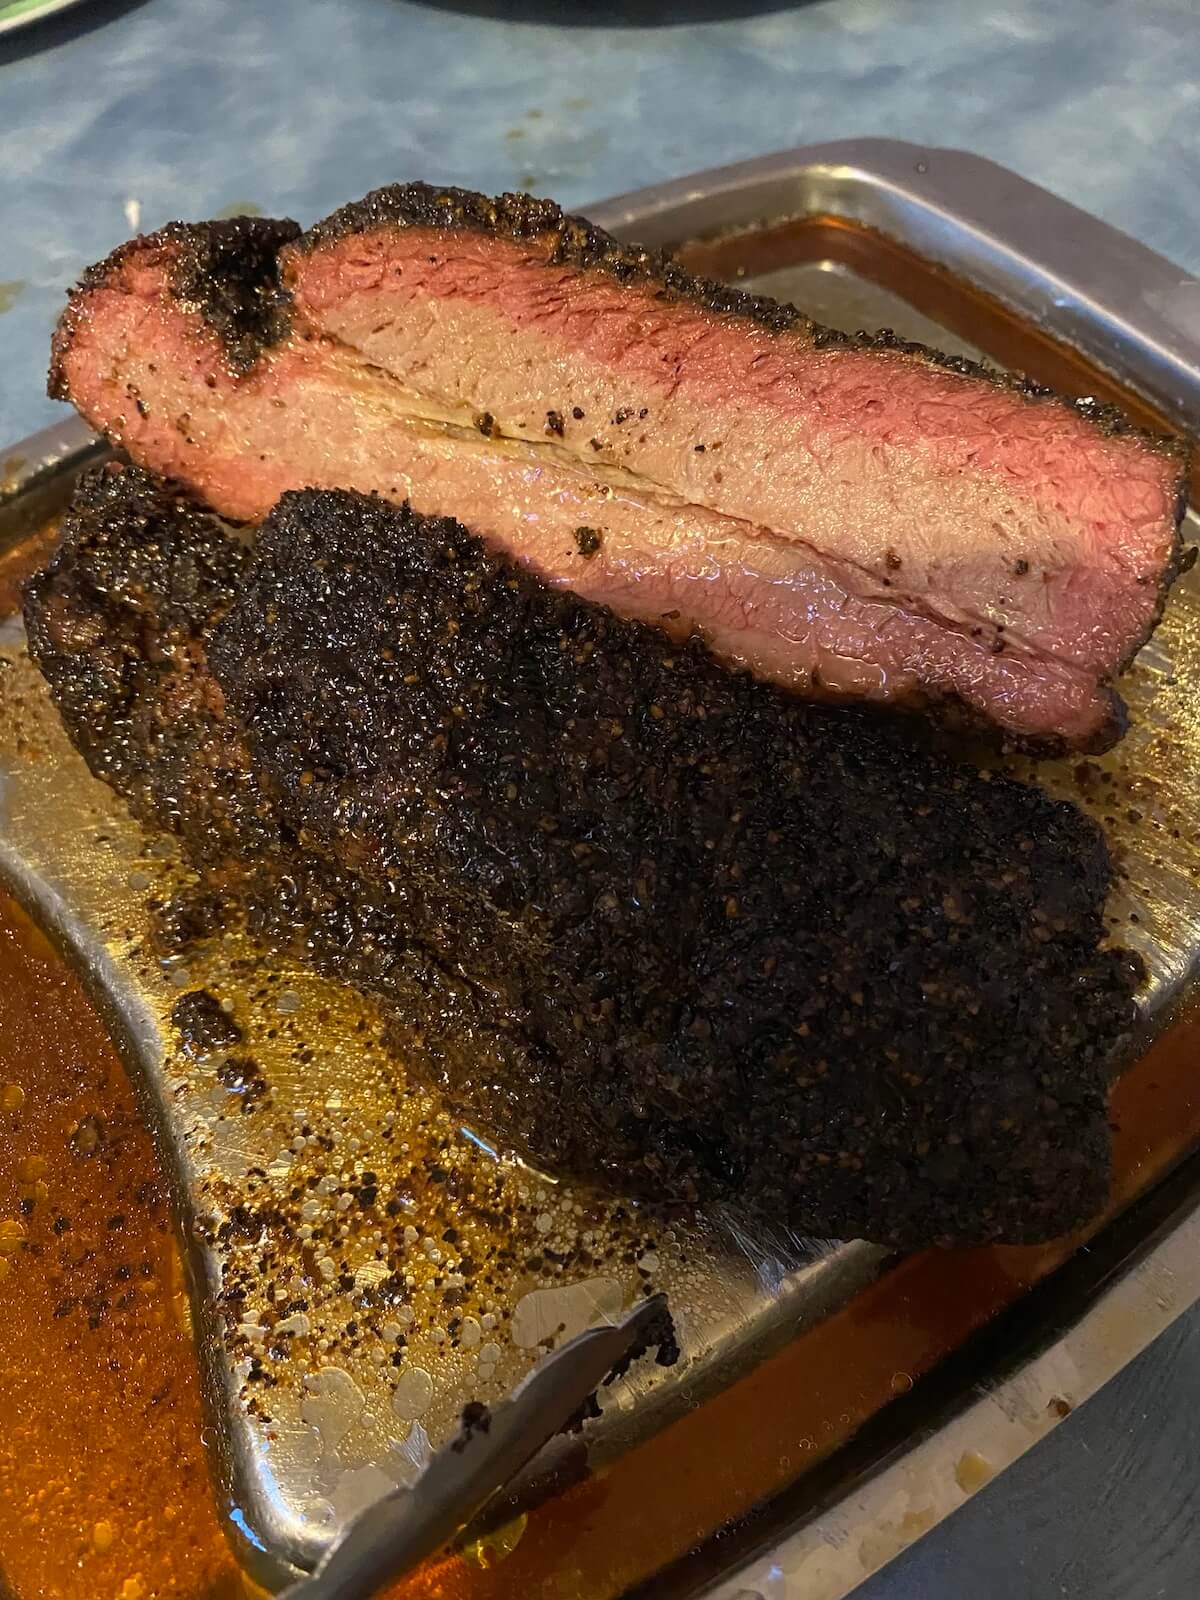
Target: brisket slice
x,y
844,516
656,925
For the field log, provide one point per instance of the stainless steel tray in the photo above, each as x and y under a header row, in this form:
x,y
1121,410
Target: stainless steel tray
x,y
336,1423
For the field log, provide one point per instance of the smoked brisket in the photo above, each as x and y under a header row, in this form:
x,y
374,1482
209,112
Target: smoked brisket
x,y
654,924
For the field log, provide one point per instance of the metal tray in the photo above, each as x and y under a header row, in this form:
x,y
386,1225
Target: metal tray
x,y
816,1469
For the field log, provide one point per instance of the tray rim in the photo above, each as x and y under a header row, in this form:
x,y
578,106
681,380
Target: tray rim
x,y
1085,268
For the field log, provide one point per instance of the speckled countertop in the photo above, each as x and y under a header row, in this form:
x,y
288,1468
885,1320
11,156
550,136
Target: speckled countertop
x,y
137,112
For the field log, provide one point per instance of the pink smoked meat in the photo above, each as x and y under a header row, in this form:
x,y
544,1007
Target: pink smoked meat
x,y
846,516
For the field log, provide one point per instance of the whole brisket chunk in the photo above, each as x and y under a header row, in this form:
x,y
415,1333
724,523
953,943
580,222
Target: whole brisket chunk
x,y
850,517
654,924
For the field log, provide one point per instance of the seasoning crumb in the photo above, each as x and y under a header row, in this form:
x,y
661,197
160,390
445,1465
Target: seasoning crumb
x,y
203,1024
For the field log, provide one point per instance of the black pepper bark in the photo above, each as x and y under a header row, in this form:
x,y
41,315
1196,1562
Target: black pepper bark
x,y
651,922
228,271
117,622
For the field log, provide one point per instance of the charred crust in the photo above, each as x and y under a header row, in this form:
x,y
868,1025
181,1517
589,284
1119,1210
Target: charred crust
x,y
574,242
226,271
689,972
229,273
573,856
159,572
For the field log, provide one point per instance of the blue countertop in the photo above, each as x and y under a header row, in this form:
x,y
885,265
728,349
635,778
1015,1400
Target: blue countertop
x,y
185,108
119,116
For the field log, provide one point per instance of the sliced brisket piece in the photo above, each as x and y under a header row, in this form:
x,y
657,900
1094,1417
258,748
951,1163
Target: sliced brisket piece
x,y
844,516
657,925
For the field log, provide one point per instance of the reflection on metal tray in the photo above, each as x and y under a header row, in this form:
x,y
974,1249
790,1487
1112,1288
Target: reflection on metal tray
x,y
363,1267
